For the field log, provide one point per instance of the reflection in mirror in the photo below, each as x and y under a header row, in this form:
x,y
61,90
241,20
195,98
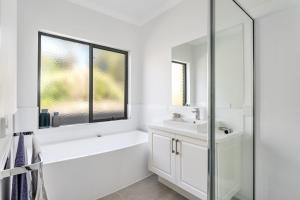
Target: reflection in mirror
x,y
189,73
179,83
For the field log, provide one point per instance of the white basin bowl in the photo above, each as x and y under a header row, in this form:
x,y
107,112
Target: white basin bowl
x,y
195,126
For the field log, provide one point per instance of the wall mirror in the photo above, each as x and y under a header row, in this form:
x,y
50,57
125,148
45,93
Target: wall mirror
x,y
189,70
189,73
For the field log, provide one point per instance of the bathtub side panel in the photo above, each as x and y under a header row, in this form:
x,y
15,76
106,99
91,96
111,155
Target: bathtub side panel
x,y
93,177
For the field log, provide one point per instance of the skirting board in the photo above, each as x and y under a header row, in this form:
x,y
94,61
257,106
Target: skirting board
x,y
177,189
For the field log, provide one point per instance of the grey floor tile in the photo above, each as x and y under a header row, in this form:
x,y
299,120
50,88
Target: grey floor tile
x,y
114,196
148,189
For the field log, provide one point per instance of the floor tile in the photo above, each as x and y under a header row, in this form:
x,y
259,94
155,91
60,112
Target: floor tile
x,y
148,189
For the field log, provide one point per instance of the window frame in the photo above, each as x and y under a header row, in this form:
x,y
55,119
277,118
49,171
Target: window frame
x,y
184,81
92,46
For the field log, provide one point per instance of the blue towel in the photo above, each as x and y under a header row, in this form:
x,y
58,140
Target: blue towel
x,y
20,187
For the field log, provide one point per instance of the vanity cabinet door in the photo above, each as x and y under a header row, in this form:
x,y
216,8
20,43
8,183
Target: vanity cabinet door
x,y
162,155
192,166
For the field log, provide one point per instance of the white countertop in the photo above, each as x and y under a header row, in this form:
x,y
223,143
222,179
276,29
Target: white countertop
x,y
220,136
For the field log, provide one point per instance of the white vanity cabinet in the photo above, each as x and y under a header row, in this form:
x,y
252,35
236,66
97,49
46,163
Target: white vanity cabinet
x,y
192,165
183,161
180,160
162,160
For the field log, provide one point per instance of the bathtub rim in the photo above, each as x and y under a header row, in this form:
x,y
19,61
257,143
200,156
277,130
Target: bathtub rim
x,y
96,153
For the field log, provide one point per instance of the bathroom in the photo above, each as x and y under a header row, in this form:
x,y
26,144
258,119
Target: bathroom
x,y
149,100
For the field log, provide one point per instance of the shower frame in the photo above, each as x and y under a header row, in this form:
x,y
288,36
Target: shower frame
x,y
212,99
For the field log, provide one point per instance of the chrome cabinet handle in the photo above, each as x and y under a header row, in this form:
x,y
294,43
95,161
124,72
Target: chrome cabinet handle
x,y
177,152
173,151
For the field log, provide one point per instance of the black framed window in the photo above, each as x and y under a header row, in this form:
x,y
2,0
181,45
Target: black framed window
x,y
80,82
179,83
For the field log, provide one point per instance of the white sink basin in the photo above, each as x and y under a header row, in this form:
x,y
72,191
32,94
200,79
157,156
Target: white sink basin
x,y
196,126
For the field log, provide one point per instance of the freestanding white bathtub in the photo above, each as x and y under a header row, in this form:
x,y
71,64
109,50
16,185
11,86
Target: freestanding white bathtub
x,y
91,168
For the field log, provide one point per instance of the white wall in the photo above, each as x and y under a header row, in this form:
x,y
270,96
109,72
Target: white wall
x,y
8,66
175,27
68,19
278,110
8,58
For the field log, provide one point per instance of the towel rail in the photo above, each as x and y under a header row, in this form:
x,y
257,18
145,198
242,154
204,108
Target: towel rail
x,y
20,170
6,173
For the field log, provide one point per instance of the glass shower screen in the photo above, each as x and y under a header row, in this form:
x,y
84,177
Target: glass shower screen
x,y
232,102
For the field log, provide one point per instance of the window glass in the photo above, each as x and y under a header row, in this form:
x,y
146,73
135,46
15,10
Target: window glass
x,y
68,94
65,79
109,74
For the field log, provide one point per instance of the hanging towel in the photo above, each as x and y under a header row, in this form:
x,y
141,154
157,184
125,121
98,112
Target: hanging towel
x,y
38,191
6,183
20,186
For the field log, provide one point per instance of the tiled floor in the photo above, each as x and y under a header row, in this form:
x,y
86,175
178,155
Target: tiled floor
x,y
148,189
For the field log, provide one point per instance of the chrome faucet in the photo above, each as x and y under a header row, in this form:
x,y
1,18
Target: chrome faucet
x,y
197,113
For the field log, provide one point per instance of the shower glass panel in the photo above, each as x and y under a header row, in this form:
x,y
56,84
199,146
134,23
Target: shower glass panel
x,y
233,101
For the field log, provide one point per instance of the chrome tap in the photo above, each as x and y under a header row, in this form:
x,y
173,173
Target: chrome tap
x,y
197,113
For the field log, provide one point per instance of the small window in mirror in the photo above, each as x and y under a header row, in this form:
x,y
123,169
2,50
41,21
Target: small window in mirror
x,y
179,83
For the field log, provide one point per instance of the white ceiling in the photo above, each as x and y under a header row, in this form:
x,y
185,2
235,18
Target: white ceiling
x,y
136,12
258,8
139,12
